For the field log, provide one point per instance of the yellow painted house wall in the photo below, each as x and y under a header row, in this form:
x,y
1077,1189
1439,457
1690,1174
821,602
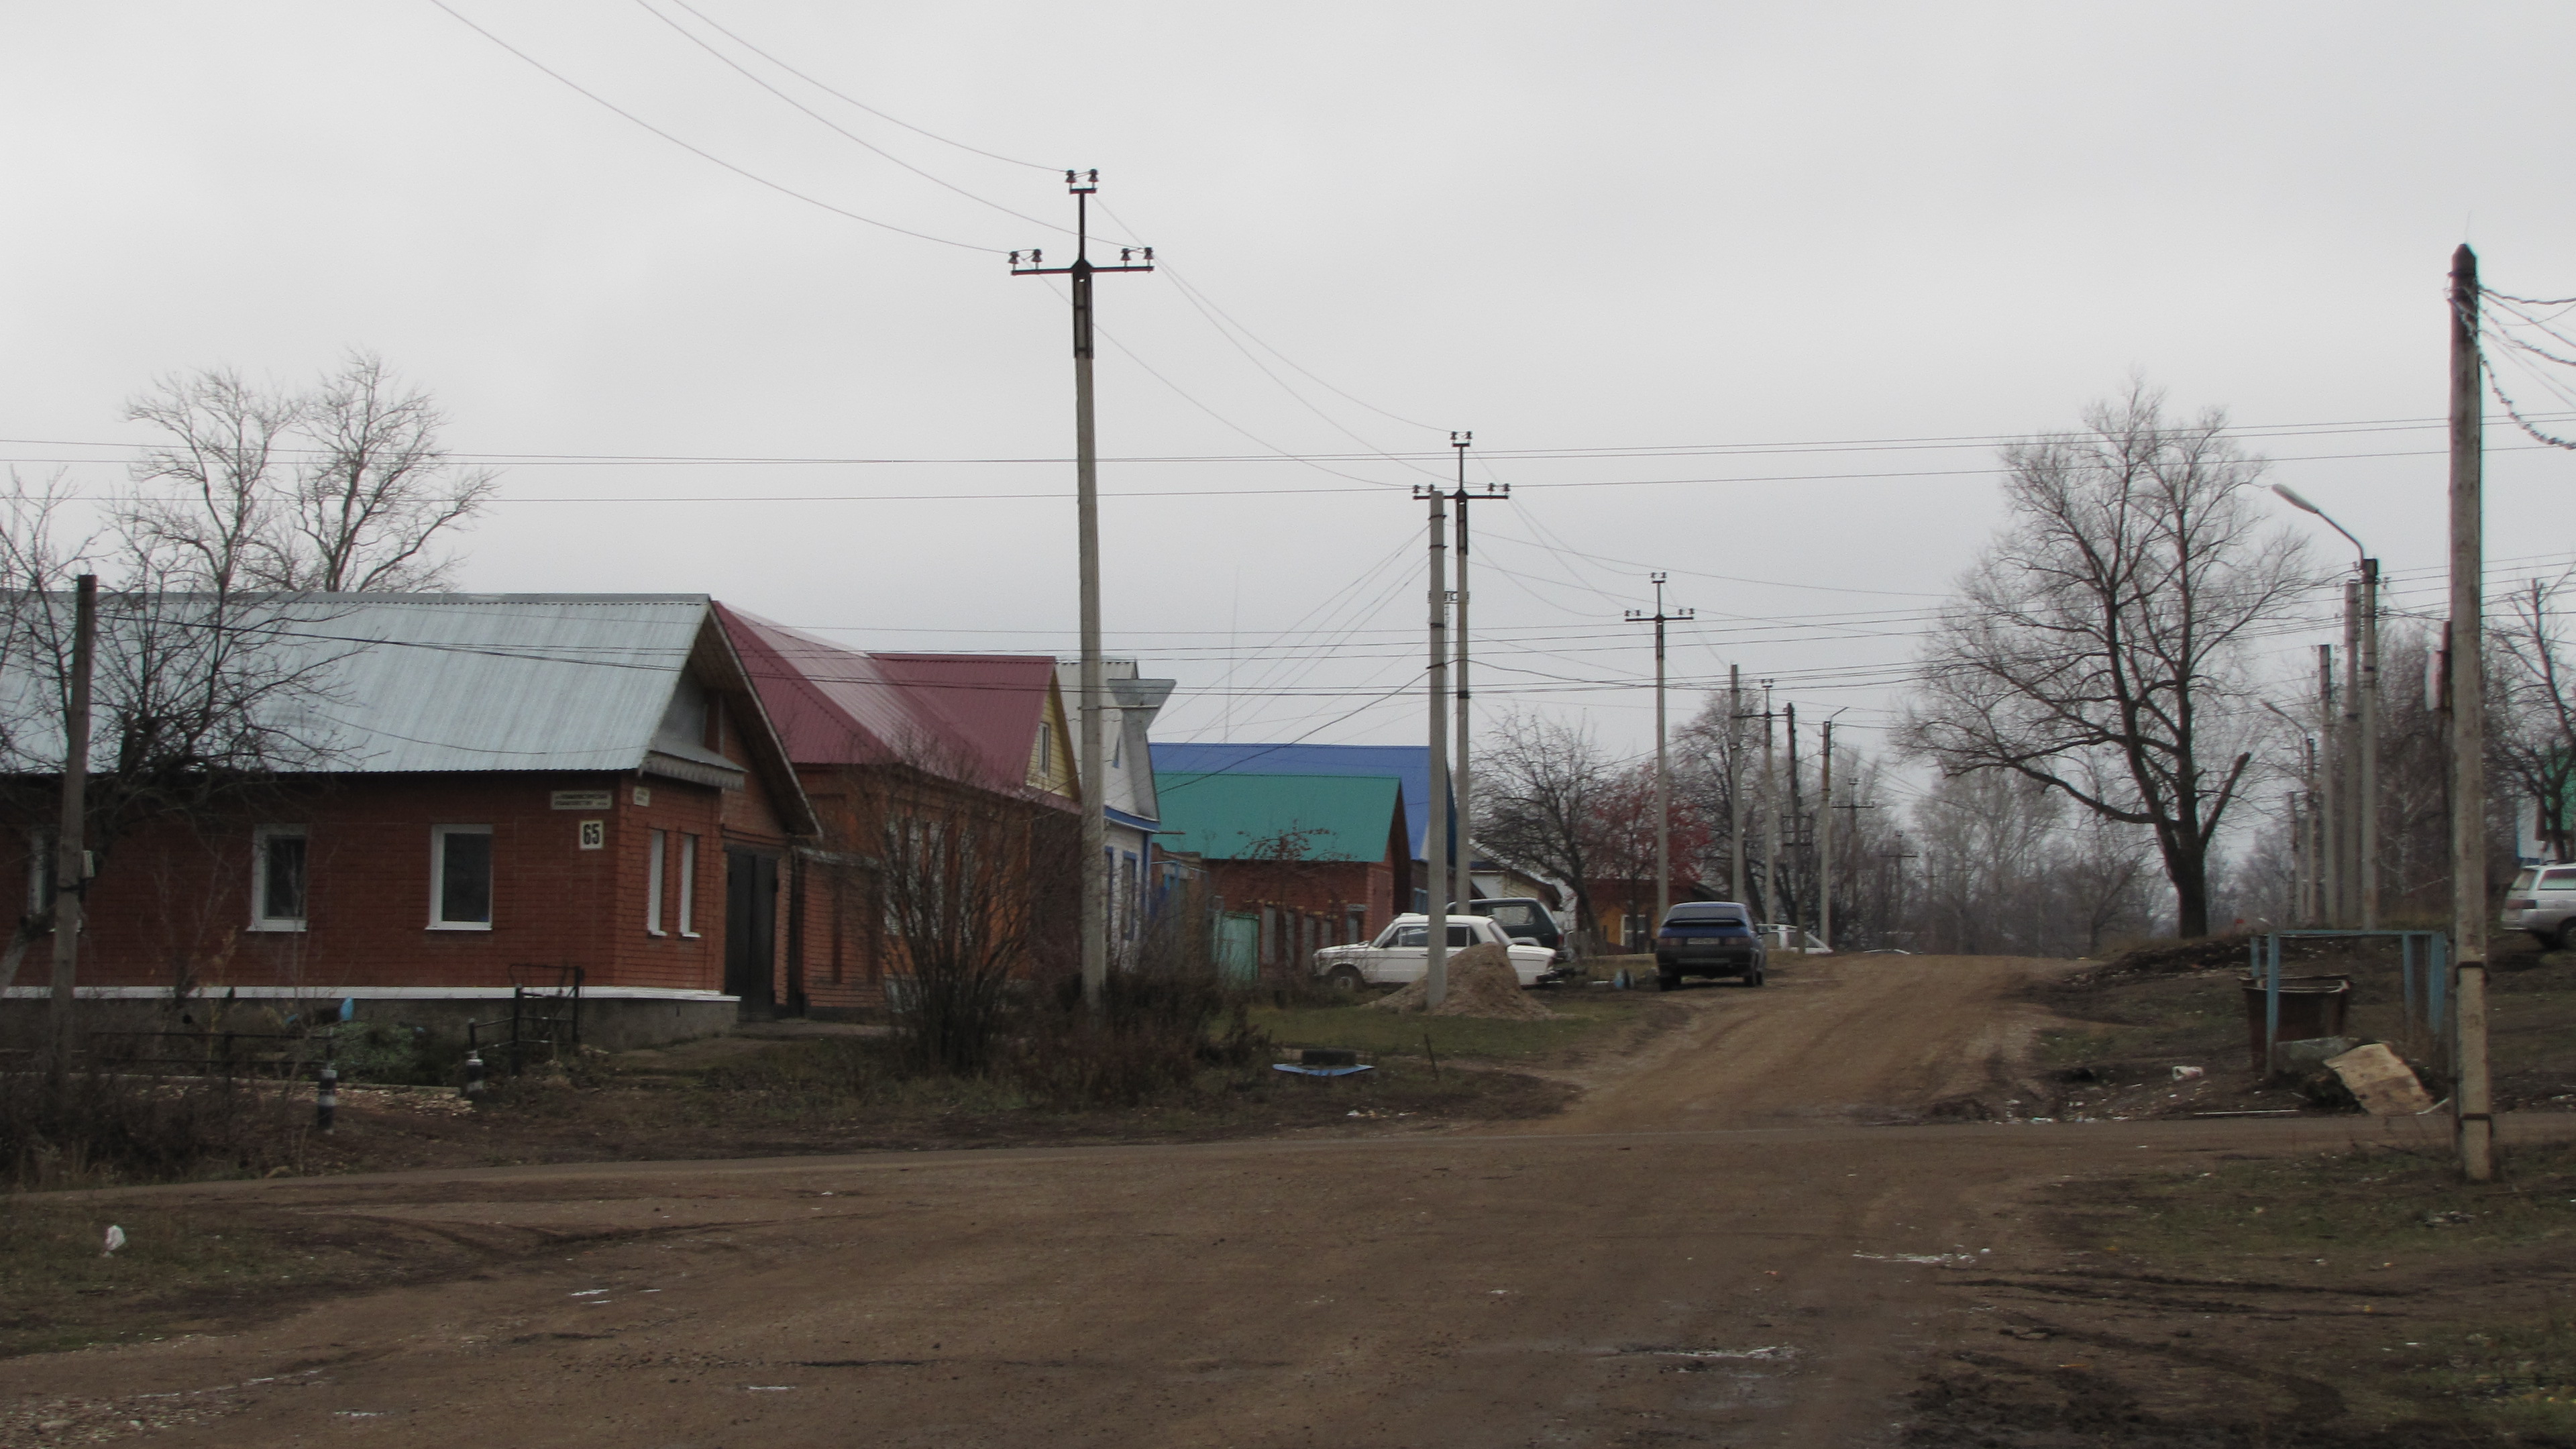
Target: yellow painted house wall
x,y
1051,765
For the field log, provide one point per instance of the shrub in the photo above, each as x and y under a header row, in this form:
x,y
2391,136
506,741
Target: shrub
x,y
92,1126
1155,1033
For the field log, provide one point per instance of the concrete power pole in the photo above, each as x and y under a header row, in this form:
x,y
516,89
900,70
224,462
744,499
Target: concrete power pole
x,y
1770,817
1801,842
1094,758
2356,806
1734,783
1825,844
2367,808
1435,835
1466,886
2357,850
1663,759
2329,798
71,855
2472,1112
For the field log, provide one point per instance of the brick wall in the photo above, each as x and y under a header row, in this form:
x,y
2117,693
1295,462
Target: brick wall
x,y
178,897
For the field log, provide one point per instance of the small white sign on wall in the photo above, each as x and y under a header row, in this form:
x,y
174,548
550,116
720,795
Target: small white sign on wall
x,y
594,834
643,795
581,799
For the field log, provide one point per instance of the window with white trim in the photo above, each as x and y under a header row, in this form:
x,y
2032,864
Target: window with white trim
x,y
688,885
656,841
460,877
279,857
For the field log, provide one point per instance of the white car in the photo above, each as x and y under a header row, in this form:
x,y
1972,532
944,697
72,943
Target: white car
x,y
1398,956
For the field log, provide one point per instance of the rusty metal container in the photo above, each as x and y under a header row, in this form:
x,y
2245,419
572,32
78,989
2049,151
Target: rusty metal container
x,y
2311,1006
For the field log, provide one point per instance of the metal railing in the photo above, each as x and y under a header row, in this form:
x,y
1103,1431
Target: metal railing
x,y
544,1021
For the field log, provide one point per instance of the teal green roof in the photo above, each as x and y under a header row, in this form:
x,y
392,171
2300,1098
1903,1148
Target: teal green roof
x,y
1231,816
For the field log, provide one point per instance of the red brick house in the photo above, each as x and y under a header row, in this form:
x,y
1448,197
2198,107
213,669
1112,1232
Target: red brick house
x,y
1625,907
504,786
931,735
1316,860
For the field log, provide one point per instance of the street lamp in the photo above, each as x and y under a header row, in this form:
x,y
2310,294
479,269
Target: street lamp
x,y
2364,694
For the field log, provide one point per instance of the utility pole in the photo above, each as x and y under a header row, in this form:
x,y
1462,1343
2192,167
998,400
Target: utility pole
x,y
2355,806
2316,838
1825,844
71,857
2330,798
1770,816
2472,1110
1663,761
1896,911
1435,849
1734,782
2367,808
1094,762
1853,809
1466,890
1797,812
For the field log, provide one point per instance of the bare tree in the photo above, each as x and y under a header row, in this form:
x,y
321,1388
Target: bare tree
x,y
2534,739
1985,841
966,880
1538,784
2097,647
342,487
201,697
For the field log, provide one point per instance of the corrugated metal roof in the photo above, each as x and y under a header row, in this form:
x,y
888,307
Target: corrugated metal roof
x,y
1409,763
445,683
1232,816
960,714
440,682
990,703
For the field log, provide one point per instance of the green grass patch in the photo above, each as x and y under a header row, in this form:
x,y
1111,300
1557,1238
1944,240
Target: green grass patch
x,y
1401,1034
57,1290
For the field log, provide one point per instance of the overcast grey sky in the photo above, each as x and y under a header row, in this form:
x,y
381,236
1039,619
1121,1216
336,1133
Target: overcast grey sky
x,y
1684,230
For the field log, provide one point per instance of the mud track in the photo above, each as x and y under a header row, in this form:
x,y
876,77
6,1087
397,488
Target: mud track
x,y
1713,1246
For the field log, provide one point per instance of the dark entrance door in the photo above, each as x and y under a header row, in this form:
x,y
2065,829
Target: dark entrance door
x,y
751,929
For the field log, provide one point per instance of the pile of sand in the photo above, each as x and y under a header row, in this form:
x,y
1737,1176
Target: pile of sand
x,y
1481,983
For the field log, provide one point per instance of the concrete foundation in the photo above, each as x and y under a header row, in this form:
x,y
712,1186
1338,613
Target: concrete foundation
x,y
612,1018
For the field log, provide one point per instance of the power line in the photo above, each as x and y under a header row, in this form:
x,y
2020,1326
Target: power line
x,y
834,127
1570,452
1364,485
702,153
737,39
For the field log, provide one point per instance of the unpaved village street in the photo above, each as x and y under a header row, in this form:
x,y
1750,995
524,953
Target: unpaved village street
x,y
1718,1244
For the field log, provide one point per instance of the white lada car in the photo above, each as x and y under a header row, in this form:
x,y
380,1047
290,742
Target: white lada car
x,y
1400,953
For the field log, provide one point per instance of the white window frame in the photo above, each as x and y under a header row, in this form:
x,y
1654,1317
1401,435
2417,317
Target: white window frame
x,y
260,919
438,878
688,887
656,842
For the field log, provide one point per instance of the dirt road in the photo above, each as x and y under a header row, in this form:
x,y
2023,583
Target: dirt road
x,y
1712,1247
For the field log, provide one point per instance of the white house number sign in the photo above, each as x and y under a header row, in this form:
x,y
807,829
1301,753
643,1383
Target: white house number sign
x,y
594,834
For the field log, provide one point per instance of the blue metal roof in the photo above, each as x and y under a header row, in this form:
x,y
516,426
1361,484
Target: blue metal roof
x,y
1408,763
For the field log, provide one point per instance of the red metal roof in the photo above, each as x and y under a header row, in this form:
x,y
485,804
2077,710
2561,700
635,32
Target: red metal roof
x,y
965,716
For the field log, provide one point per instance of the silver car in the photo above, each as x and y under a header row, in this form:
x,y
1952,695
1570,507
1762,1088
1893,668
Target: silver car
x,y
2543,902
